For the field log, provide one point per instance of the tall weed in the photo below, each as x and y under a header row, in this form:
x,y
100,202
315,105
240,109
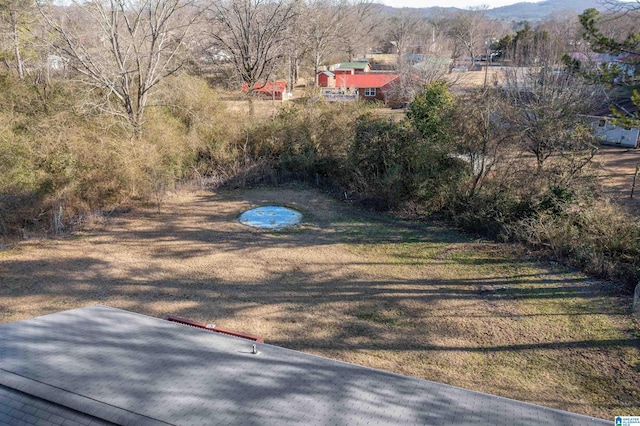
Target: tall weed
x,y
597,236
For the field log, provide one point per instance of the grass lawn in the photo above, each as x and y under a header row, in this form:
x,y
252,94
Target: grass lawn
x,y
414,299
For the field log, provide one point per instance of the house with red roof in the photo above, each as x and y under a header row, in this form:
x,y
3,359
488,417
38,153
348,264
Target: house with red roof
x,y
269,90
367,86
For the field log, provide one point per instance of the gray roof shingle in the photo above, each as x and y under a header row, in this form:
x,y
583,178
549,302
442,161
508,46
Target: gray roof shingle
x,y
19,408
128,368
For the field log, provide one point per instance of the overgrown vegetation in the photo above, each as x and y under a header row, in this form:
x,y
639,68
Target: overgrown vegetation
x,y
464,157
56,155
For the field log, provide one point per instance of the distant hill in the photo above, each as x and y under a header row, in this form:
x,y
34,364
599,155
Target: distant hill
x,y
416,11
516,12
541,10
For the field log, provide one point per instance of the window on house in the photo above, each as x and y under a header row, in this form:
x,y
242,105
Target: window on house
x,y
370,91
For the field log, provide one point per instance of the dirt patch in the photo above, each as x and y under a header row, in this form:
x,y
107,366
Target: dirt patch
x,y
415,299
616,168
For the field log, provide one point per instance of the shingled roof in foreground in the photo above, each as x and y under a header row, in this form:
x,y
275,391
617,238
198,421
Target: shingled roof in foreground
x,y
132,369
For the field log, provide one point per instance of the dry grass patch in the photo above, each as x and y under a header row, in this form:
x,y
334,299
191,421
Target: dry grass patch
x,y
470,80
615,168
414,299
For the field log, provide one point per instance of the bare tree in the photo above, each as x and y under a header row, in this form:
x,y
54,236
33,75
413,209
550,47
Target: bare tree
x,y
362,20
323,27
253,33
613,29
123,48
297,50
470,31
15,17
413,78
543,45
336,27
403,31
437,41
543,110
481,137
564,31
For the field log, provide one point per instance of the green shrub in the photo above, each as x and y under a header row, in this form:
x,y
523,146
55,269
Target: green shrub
x,y
431,113
393,161
379,159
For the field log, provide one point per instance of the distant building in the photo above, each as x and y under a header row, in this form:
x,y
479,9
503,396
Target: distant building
x,y
327,79
625,62
365,86
269,90
608,130
609,133
351,67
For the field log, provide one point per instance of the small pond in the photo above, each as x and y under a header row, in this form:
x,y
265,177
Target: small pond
x,y
270,217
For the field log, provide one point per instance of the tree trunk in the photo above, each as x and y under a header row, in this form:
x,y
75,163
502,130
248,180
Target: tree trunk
x,y
290,74
316,67
16,43
251,105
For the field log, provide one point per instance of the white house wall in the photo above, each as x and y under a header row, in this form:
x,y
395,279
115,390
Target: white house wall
x,y
611,134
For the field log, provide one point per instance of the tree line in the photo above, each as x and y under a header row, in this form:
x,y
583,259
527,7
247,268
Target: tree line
x,y
122,49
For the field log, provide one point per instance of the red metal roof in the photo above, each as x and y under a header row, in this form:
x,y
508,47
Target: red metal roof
x,y
280,86
363,81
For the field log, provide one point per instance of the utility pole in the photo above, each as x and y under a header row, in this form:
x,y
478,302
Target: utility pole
x,y
486,63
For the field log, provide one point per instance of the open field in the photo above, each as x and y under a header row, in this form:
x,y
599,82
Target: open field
x,y
415,299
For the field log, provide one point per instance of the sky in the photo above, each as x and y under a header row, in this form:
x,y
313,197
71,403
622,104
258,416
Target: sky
x,y
460,4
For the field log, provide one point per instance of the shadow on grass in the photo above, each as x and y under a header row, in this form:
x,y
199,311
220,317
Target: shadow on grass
x,y
74,277
406,346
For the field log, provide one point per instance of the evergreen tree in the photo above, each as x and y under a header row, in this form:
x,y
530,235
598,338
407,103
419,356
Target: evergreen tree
x,y
614,77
